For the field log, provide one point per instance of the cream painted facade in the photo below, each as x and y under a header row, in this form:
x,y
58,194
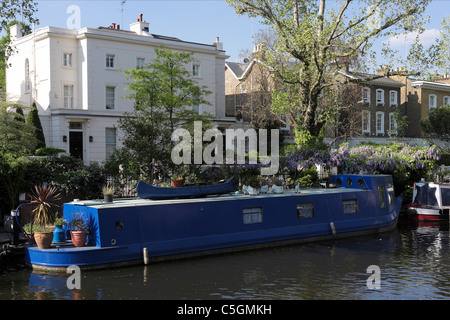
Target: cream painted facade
x,y
76,78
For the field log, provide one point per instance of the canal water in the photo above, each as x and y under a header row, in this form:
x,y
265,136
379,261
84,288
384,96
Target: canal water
x,y
410,262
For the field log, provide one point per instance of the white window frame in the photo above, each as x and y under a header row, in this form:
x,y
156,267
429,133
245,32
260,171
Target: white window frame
x,y
379,115
110,61
113,107
392,123
110,146
67,60
196,70
140,62
27,76
367,113
68,100
393,98
366,94
432,101
446,102
379,100
197,108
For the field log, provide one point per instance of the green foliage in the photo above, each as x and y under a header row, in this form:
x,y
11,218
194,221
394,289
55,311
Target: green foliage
x,y
406,163
165,94
33,119
16,136
6,50
317,38
48,151
68,174
437,126
12,177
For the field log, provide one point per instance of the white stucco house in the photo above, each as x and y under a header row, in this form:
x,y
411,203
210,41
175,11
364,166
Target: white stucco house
x,y
76,78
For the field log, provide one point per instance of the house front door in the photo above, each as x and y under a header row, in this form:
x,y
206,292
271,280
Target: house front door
x,y
76,144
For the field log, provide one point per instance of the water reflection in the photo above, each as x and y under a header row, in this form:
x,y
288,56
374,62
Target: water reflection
x,y
414,262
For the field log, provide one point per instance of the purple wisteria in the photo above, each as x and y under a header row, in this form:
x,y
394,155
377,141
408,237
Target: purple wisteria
x,y
366,158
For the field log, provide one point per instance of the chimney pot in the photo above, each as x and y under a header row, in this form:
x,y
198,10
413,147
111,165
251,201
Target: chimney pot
x,y
113,25
140,17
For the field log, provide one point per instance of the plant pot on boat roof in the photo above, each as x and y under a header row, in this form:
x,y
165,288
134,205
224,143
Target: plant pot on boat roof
x,y
79,228
59,234
253,184
108,193
177,180
45,197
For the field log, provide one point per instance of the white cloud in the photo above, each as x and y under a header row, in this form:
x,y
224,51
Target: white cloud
x,y
428,37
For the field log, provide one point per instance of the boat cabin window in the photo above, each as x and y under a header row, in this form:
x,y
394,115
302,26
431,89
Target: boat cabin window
x,y
305,210
350,206
382,196
252,215
445,195
391,194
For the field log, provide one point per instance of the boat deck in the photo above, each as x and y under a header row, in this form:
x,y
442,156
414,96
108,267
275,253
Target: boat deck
x,y
144,202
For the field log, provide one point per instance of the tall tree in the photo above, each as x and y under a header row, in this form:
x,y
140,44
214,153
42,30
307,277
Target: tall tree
x,y
5,51
315,38
437,127
33,119
166,96
17,140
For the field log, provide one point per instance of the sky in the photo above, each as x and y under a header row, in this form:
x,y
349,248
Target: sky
x,y
189,20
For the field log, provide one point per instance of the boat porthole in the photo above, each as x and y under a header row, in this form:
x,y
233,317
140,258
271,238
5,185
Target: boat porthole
x,y
113,241
119,226
349,182
338,182
360,182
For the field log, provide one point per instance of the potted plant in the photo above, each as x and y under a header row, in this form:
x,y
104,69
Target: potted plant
x,y
28,229
44,196
277,185
59,234
177,180
79,228
108,193
253,183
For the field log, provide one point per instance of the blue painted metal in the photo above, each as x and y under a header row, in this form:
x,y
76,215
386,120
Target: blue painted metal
x,y
168,228
59,234
147,191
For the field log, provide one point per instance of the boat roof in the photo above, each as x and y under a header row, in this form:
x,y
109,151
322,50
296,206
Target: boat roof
x,y
126,202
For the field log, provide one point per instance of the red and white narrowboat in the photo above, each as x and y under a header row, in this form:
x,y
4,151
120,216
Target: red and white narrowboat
x,y
431,201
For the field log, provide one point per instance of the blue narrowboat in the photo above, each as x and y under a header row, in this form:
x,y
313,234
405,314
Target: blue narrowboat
x,y
137,230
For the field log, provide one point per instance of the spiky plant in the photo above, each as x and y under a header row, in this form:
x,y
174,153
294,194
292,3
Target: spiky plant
x,y
45,197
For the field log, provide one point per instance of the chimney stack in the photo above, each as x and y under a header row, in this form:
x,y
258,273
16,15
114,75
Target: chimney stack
x,y
140,27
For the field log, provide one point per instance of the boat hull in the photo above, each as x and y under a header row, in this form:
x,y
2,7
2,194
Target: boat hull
x,y
425,214
124,232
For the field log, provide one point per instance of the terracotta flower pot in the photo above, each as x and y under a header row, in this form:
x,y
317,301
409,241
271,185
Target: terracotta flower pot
x,y
177,183
78,238
43,239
